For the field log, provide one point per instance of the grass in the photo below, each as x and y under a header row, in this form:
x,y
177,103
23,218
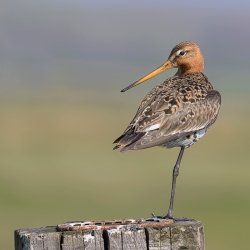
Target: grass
x,y
57,165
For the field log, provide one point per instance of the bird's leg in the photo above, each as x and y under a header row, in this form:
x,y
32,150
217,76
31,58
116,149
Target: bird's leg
x,y
169,214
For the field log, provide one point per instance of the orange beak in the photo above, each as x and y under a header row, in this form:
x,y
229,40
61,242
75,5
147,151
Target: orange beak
x,y
165,66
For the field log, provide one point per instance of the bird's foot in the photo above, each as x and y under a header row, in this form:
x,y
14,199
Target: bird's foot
x,y
159,218
169,216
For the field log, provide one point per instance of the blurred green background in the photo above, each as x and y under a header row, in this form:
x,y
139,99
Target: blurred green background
x,y
62,66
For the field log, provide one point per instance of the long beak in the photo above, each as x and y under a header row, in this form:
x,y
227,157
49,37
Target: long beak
x,y
165,66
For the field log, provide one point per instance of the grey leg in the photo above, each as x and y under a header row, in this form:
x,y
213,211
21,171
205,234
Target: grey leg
x,y
169,214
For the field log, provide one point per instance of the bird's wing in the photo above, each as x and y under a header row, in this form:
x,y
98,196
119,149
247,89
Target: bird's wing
x,y
146,102
170,115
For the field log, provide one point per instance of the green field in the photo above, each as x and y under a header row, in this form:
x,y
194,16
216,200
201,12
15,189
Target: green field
x,y
57,165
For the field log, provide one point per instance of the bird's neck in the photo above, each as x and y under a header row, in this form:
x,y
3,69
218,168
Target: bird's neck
x,y
189,68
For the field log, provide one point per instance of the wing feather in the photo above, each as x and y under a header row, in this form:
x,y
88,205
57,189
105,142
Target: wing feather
x,y
172,109
199,115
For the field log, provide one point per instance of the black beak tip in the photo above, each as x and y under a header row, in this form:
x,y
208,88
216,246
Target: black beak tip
x,y
125,89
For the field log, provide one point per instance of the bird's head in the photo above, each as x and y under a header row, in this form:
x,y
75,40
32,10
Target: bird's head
x,y
186,56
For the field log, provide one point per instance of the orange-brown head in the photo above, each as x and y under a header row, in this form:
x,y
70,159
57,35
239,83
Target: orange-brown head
x,y
186,56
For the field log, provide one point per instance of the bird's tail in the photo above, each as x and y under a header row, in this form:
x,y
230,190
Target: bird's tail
x,y
127,139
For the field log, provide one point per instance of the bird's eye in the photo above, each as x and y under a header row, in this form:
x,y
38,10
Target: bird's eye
x,y
182,53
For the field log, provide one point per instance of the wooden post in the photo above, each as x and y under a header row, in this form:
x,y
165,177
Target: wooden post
x,y
180,235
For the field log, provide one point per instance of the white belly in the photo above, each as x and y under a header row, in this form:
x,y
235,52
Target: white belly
x,y
186,141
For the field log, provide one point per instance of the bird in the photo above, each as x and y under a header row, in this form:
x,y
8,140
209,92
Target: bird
x,y
175,113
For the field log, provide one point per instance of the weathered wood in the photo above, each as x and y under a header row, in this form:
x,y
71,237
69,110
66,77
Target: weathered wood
x,y
185,236
72,240
159,238
134,237
99,243
115,239
180,235
37,238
